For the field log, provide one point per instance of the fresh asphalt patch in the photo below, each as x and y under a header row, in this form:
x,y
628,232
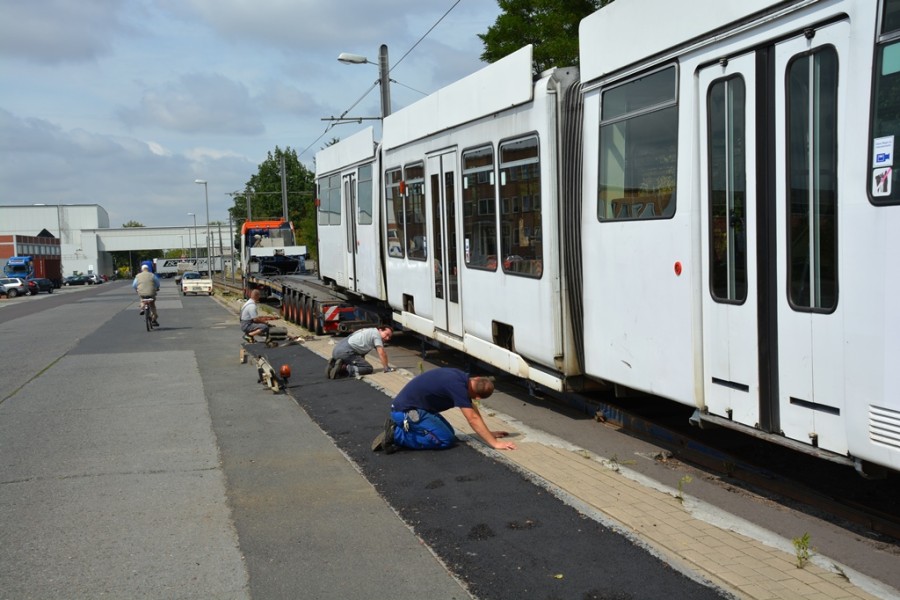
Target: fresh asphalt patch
x,y
493,527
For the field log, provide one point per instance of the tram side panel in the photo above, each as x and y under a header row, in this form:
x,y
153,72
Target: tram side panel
x,y
348,221
808,211
868,244
639,270
504,217
869,284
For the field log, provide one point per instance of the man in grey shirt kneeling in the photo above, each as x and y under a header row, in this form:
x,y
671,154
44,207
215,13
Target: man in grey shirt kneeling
x,y
349,355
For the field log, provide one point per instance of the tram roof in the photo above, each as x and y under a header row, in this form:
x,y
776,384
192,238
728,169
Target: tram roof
x,y
625,32
498,86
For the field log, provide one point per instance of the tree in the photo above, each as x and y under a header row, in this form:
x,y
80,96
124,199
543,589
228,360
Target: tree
x,y
550,25
132,224
264,192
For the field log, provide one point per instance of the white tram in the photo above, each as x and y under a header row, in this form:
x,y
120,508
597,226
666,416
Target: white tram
x,y
704,213
449,218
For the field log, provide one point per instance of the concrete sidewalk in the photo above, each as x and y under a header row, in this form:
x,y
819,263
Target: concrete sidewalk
x,y
140,464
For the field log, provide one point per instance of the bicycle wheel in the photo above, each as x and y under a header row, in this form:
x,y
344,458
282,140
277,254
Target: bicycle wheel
x,y
147,318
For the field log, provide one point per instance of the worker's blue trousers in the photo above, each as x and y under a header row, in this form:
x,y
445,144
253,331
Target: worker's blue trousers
x,y
430,432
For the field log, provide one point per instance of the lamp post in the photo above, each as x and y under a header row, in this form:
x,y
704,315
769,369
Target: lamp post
x,y
383,69
195,239
208,253
231,245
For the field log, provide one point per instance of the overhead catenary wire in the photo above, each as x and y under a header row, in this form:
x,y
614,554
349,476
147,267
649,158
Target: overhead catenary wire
x,y
342,119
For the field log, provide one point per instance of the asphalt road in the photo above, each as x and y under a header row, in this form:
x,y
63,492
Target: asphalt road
x,y
150,465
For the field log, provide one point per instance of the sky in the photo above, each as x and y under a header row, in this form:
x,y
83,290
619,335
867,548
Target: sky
x,y
125,103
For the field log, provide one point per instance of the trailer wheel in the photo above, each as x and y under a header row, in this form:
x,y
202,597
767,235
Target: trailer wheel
x,y
310,323
304,313
295,308
319,326
301,312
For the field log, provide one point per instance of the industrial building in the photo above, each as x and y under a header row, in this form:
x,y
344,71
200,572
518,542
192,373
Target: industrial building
x,y
86,239
68,224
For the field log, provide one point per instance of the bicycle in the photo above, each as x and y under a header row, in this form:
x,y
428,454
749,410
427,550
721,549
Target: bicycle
x,y
147,305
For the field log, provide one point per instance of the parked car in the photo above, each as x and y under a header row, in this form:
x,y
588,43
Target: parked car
x,y
95,278
14,286
193,282
77,280
39,284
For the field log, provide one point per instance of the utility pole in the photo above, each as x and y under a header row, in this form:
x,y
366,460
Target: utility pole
x,y
284,204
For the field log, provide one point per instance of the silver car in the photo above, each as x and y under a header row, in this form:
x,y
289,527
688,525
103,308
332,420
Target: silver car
x,y
13,286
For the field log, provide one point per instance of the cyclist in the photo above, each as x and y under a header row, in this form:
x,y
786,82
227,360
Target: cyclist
x,y
146,284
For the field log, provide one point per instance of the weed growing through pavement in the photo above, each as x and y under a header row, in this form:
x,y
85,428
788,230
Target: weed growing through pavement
x,y
614,463
803,550
681,483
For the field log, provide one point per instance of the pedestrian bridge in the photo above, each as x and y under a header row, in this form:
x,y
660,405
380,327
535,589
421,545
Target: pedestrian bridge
x,y
157,238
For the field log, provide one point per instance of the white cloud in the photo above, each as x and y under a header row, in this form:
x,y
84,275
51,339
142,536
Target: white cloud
x,y
125,102
197,102
158,149
61,31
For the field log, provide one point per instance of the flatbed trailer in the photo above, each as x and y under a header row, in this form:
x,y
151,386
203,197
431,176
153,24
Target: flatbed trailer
x,y
274,264
306,301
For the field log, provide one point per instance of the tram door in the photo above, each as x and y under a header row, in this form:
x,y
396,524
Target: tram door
x,y
350,231
772,353
810,99
729,238
441,190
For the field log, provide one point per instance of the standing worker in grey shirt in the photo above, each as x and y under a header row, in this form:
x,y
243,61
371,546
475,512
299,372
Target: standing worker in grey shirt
x,y
348,356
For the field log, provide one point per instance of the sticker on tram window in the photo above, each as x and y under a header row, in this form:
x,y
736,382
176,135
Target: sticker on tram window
x,y
883,152
881,182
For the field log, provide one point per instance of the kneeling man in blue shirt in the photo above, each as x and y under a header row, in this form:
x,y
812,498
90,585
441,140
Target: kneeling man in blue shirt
x,y
416,422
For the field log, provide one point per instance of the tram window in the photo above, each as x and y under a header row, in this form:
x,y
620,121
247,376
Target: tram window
x,y
330,200
639,148
891,19
479,209
393,205
364,195
812,83
321,190
727,190
884,183
414,212
520,186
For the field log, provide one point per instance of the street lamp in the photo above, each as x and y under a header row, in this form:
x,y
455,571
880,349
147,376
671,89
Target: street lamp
x,y
208,253
195,238
384,80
